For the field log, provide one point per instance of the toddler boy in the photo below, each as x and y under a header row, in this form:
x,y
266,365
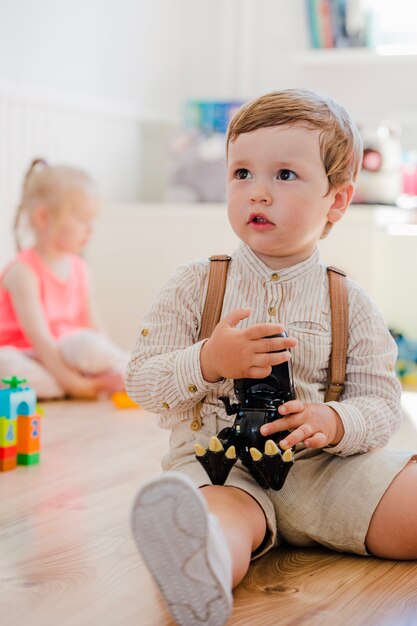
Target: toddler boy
x,y
292,159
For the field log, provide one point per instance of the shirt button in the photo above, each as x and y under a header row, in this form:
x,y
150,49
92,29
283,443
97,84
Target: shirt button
x,y
145,332
275,276
195,425
165,405
192,388
272,311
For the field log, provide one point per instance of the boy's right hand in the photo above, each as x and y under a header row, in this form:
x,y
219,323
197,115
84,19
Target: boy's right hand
x,y
250,352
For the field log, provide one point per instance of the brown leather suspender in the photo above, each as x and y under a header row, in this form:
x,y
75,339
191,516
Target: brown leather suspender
x,y
340,329
219,264
339,314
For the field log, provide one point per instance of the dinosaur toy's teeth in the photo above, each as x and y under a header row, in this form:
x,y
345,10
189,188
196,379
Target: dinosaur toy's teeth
x,y
255,454
287,456
231,452
271,448
199,450
215,445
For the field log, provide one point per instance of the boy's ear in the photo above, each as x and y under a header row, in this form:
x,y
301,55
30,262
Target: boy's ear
x,y
341,201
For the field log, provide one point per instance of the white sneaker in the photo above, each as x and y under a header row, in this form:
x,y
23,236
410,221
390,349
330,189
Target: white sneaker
x,y
184,549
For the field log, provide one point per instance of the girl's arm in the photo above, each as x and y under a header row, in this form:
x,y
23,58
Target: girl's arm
x,y
22,285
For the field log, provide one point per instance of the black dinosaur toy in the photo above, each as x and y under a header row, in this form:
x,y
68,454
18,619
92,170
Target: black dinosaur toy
x,y
258,402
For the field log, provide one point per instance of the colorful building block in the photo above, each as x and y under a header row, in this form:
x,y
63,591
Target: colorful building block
x,y
121,400
17,401
28,433
8,432
8,443
28,459
8,453
8,464
19,425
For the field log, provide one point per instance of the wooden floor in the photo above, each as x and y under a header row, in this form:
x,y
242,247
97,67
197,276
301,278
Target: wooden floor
x,y
67,556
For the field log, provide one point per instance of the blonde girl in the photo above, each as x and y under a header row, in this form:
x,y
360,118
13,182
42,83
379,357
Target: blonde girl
x,y
50,329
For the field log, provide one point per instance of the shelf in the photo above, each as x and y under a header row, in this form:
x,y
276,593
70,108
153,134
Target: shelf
x,y
350,56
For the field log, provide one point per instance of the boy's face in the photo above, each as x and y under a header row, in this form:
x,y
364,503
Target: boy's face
x,y
277,186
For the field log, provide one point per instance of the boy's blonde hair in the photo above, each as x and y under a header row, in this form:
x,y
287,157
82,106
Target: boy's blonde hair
x,y
340,142
49,185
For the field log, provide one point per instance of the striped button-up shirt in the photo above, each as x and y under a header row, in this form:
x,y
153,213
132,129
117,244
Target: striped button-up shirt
x,y
164,373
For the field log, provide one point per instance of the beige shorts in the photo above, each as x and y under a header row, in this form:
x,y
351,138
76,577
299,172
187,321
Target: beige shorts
x,y
326,500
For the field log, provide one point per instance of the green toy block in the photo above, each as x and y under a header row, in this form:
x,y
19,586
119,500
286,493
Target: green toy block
x,y
28,459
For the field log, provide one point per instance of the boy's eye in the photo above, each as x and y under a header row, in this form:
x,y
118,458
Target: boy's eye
x,y
286,175
242,173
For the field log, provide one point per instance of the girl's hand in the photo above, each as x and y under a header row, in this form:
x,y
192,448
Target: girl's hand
x,y
89,387
317,425
109,382
243,353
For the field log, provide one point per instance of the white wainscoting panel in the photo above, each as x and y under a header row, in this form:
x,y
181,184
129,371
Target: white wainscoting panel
x,y
102,139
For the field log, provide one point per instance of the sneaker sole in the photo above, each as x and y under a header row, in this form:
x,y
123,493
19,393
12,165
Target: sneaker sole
x,y
169,524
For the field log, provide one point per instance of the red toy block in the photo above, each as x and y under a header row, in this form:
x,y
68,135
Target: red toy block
x,y
7,453
8,464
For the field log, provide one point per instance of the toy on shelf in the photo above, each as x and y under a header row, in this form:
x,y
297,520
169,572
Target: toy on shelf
x,y
122,401
19,425
406,366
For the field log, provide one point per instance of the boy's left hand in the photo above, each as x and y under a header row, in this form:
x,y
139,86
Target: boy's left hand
x,y
317,425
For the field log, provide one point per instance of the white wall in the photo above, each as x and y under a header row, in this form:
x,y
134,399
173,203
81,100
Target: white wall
x,y
147,54
125,51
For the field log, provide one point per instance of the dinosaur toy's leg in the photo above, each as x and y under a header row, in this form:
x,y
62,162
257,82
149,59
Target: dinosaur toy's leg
x,y
273,465
216,460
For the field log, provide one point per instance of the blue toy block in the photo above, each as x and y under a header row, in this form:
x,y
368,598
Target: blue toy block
x,y
17,400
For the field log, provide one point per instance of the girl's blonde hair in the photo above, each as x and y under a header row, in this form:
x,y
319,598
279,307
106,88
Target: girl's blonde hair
x,y
47,184
340,142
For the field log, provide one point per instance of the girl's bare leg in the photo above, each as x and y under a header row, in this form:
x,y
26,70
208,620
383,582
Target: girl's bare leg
x,y
392,533
242,521
14,362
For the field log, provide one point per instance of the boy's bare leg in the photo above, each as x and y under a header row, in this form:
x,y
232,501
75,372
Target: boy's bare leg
x,y
392,533
242,521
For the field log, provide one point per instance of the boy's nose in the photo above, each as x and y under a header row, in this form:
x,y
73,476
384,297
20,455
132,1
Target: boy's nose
x,y
261,196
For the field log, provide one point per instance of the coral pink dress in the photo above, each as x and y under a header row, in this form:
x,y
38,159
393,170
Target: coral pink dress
x,y
64,302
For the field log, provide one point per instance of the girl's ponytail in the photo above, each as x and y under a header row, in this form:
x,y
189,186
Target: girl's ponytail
x,y
35,165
